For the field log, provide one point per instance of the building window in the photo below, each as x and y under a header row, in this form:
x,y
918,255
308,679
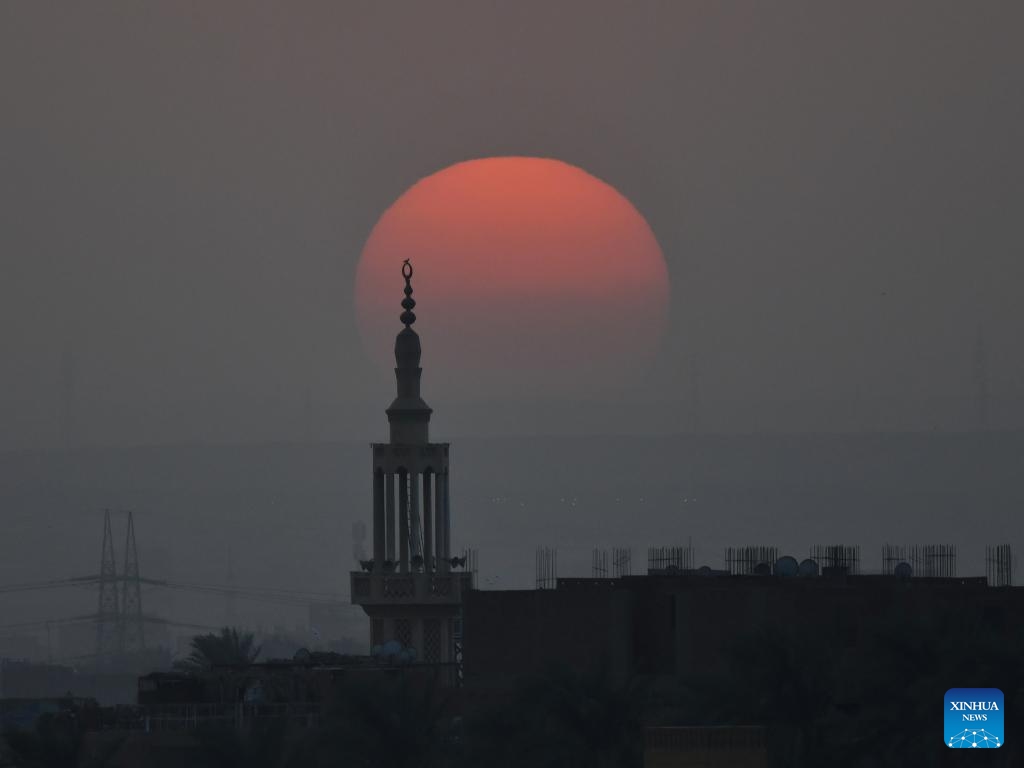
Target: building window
x,y
403,632
432,640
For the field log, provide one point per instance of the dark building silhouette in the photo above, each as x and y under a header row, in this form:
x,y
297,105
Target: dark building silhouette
x,y
688,623
705,747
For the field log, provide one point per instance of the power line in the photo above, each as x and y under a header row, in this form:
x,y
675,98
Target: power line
x,y
94,617
76,581
43,622
119,619
270,593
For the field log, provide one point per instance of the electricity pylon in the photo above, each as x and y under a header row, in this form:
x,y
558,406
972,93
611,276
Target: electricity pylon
x,y
133,636
109,610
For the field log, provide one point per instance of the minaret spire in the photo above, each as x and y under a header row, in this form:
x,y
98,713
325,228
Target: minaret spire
x,y
408,415
408,303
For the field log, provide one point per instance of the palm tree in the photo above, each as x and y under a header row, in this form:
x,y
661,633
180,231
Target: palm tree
x,y
228,648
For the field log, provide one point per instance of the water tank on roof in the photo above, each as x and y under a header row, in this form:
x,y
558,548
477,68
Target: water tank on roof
x,y
787,566
390,648
808,567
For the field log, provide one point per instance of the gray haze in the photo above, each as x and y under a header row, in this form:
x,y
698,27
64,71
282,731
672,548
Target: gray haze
x,y
285,512
185,189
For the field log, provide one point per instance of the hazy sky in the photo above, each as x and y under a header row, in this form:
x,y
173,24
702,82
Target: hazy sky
x,y
185,189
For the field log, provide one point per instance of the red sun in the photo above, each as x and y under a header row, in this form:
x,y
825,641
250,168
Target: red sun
x,y
532,278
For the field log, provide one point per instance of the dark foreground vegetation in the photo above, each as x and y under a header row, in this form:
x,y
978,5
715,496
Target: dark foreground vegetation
x,y
874,702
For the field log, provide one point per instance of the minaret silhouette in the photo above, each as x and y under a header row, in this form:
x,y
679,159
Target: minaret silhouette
x,y
411,595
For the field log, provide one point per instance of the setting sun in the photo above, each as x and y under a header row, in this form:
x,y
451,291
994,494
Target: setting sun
x,y
527,269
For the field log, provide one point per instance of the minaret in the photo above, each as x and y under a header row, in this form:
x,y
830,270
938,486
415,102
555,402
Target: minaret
x,y
409,589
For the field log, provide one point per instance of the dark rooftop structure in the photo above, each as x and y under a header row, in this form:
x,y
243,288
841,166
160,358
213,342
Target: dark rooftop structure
x,y
684,622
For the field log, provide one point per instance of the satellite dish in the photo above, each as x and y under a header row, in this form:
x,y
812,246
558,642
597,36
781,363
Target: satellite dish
x,y
762,569
787,566
808,567
903,570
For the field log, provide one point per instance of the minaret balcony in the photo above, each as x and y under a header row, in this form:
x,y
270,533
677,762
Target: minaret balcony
x,y
406,588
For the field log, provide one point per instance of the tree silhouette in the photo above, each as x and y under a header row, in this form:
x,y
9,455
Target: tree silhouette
x,y
866,702
392,721
56,741
560,719
268,744
228,648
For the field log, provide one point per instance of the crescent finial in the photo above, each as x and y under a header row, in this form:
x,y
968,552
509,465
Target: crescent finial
x,y
408,318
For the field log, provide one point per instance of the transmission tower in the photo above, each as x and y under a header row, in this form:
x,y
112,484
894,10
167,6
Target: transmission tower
x,y
981,394
108,614
132,634
229,598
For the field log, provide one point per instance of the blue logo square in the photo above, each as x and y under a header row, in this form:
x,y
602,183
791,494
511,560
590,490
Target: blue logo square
x,y
974,718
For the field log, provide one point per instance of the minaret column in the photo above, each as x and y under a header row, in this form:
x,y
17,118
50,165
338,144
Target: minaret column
x,y
378,520
446,514
403,520
439,522
389,516
415,524
428,523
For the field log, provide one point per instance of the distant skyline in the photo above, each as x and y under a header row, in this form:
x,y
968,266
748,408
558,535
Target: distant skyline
x,y
186,190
